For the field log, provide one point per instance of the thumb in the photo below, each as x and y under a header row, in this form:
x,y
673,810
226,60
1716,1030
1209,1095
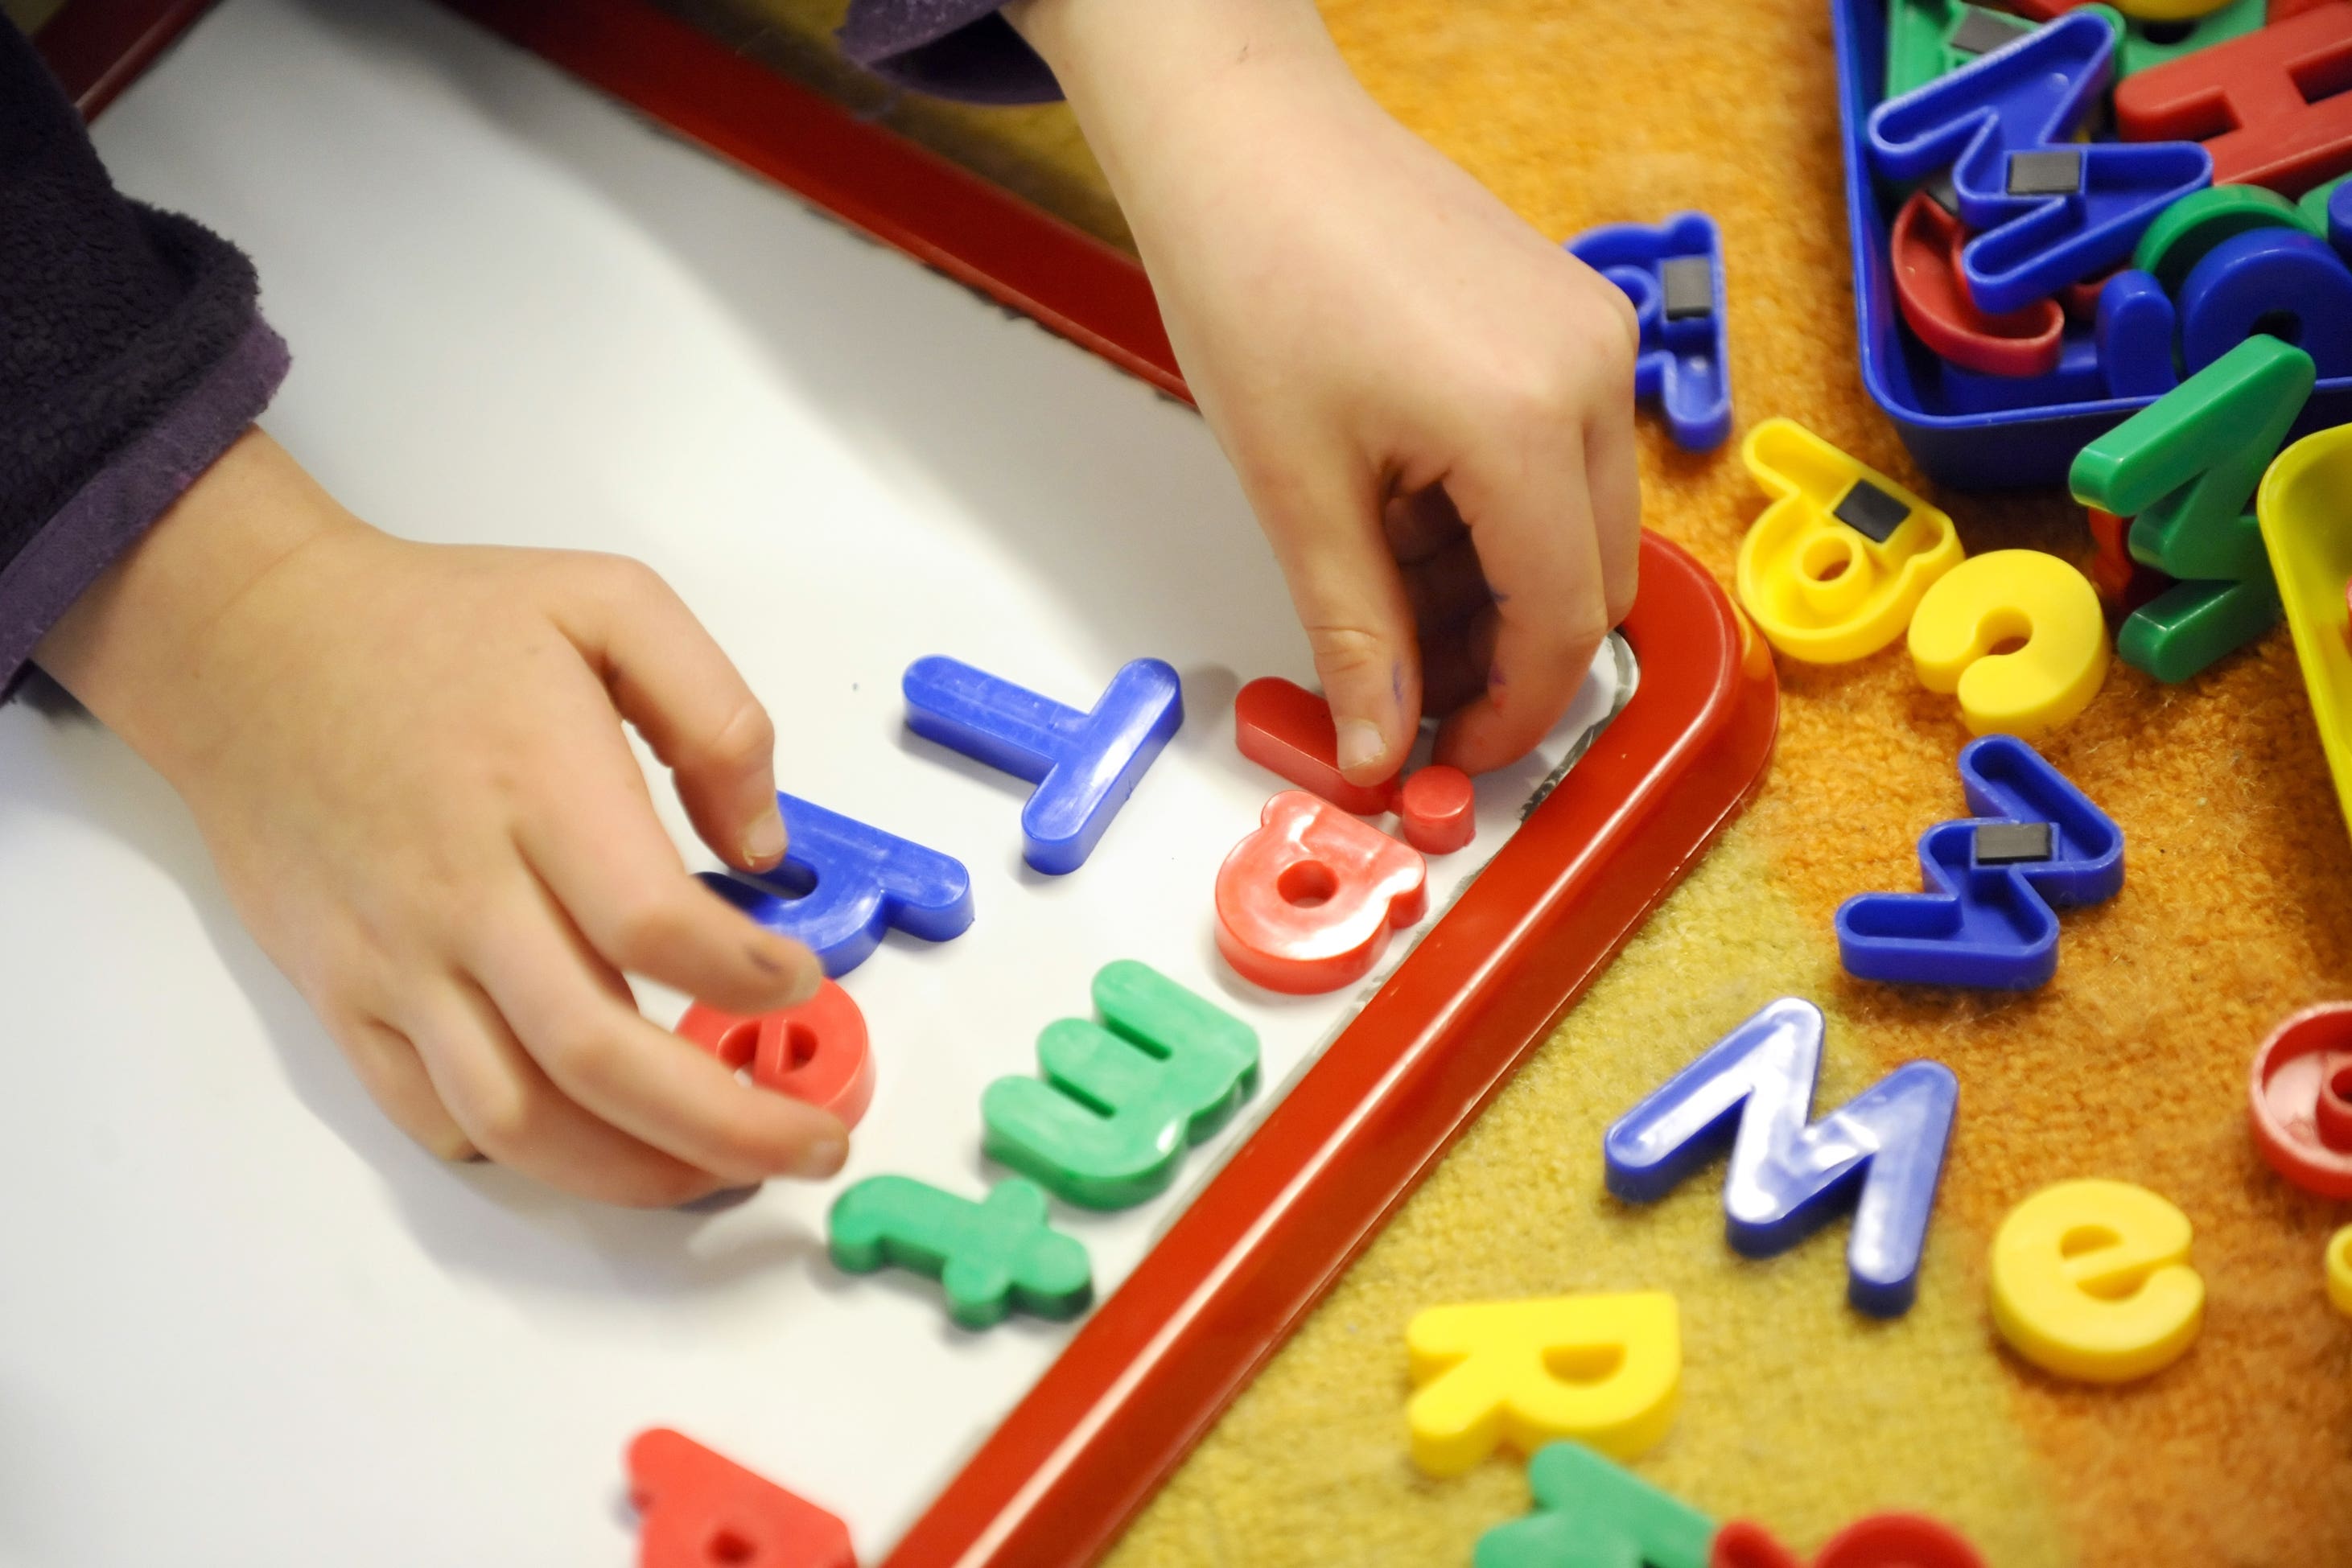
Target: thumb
x,y
1352,600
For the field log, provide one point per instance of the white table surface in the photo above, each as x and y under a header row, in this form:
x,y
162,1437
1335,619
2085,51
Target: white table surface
x,y
244,1321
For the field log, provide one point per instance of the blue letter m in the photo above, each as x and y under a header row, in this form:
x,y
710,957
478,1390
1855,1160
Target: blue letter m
x,y
1787,1177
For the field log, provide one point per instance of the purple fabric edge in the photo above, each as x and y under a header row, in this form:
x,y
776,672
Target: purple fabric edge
x,y
110,513
960,50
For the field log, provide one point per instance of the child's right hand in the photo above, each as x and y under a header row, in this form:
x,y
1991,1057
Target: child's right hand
x,y
408,763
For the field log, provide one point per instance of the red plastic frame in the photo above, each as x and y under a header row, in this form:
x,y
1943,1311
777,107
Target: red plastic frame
x,y
1154,1367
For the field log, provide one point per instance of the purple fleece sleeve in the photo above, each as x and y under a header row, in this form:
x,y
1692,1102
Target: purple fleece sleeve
x,y
132,354
955,48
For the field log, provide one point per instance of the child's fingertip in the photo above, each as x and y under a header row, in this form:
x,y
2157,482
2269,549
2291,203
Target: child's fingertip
x,y
1362,744
823,1155
763,842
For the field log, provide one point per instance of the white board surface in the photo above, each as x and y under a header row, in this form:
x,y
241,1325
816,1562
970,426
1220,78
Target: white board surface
x,y
243,1322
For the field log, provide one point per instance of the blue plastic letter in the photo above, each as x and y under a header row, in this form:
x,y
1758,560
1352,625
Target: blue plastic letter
x,y
2279,282
1988,925
1787,1178
2047,211
1085,765
843,884
2136,327
1682,364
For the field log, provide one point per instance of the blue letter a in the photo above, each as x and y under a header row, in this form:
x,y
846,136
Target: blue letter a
x,y
1787,1178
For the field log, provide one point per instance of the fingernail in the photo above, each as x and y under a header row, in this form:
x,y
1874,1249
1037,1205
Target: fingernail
x,y
823,1157
764,840
1359,744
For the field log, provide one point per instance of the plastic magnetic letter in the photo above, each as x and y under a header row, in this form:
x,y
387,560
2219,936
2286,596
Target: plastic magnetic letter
x,y
1592,1513
2123,584
2190,228
2149,42
817,1052
2338,1265
2281,281
700,1510
2046,210
2299,1104
2302,509
1989,921
1306,903
990,1257
1989,599
1881,1540
842,885
1673,273
1602,1370
2262,103
1120,1100
2184,468
1438,809
1925,251
2091,1281
1284,727
1821,588
2133,327
1788,1178
1085,765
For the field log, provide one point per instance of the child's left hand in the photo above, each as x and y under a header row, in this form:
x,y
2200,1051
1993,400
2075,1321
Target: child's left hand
x,y
1430,404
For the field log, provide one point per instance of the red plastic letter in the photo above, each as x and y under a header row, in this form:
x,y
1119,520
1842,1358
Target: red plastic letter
x,y
703,1511
1927,256
1306,902
1439,808
1283,727
2123,584
817,1052
1882,1541
2271,105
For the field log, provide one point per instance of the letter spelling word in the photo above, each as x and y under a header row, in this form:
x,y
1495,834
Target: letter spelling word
x,y
1120,1100
990,1257
700,1510
1306,903
843,884
1085,765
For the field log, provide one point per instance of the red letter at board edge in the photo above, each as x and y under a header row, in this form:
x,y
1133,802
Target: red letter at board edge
x,y
700,1510
1286,729
1306,903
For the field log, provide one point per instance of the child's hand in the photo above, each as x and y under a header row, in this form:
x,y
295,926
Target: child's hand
x,y
408,762
1360,323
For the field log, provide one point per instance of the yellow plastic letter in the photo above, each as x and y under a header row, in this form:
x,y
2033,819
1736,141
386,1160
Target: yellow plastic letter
x,y
1822,590
1604,1370
2091,1281
2012,596
2340,1270
2306,506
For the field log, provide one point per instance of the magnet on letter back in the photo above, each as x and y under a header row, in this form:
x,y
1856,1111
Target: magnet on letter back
x,y
1306,903
1085,765
1837,562
1673,273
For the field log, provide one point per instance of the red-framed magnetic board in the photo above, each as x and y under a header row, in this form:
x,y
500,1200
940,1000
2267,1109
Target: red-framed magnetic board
x,y
1151,1370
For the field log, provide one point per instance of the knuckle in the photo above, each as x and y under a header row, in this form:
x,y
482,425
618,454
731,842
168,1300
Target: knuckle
x,y
1343,649
745,740
649,930
583,1052
503,1117
622,580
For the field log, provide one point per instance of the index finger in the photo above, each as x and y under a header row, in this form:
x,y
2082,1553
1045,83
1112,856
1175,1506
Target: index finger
x,y
1534,534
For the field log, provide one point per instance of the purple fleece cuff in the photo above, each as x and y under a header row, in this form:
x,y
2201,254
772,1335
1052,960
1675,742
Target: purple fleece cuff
x,y
122,501
951,48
